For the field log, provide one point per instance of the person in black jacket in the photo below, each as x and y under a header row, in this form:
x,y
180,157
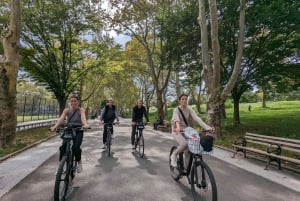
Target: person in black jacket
x,y
108,115
138,112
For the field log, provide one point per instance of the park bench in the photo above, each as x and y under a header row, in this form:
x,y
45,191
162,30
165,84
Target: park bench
x,y
165,127
269,147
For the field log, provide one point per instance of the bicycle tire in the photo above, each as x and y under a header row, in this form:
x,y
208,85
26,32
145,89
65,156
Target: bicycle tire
x,y
203,183
62,175
141,145
175,173
108,143
73,166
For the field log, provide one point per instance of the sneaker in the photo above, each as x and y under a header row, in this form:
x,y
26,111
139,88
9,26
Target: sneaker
x,y
79,167
112,136
104,147
173,160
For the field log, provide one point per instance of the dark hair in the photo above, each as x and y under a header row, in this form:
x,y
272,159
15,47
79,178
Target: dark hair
x,y
74,96
182,95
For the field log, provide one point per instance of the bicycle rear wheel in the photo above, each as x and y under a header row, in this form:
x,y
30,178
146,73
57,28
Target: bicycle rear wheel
x,y
141,144
62,180
175,172
203,183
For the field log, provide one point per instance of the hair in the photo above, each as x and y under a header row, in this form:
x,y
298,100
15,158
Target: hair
x,y
182,95
139,100
110,99
74,96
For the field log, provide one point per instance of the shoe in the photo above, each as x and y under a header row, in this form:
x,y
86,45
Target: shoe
x,y
104,147
173,160
79,167
112,136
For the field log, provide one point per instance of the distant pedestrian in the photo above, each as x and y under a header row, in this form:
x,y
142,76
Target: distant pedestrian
x,y
249,108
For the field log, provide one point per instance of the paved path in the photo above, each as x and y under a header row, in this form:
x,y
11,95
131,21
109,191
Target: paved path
x,y
126,177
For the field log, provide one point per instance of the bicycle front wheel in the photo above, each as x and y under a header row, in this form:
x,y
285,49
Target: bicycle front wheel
x,y
175,172
62,180
141,145
108,143
203,183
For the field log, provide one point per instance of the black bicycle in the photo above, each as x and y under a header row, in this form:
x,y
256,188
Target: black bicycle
x,y
67,167
198,173
109,129
139,138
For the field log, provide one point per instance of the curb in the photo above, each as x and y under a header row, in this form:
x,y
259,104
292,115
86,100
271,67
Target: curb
x,y
25,148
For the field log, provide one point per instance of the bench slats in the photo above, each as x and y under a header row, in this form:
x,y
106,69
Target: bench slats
x,y
294,141
283,144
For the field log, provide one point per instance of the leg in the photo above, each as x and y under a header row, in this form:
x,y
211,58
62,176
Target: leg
x,y
133,135
76,145
104,134
182,146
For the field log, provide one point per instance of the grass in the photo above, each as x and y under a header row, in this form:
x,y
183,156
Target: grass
x,y
20,118
27,137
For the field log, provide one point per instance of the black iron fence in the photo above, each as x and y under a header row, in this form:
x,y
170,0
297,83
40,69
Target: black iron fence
x,y
36,108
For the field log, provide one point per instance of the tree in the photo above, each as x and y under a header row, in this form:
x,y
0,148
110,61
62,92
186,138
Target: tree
x,y
212,71
54,46
138,19
9,65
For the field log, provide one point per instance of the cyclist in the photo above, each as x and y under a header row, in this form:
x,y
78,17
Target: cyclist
x,y
75,115
137,116
108,115
178,124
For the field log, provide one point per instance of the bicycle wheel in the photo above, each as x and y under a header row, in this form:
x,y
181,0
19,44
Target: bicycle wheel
x,y
203,183
62,180
175,173
141,145
108,143
73,166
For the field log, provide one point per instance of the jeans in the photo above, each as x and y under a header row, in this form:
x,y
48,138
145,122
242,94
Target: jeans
x,y
77,141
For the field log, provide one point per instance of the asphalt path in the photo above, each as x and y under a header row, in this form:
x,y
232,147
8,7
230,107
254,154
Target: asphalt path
x,y
127,177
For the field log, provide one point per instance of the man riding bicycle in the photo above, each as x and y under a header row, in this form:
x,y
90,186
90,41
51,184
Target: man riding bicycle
x,y
108,115
137,116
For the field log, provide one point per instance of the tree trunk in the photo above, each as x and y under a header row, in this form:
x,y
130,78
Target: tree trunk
x,y
264,98
222,111
9,66
236,110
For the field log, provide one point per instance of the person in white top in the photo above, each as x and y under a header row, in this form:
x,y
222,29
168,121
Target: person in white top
x,y
178,124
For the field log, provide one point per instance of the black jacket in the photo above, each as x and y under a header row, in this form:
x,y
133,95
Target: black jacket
x,y
138,113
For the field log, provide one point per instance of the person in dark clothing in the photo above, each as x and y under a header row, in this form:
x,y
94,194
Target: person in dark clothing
x,y
108,115
138,112
160,121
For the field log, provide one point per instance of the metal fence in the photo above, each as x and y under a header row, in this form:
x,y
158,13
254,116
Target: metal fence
x,y
36,108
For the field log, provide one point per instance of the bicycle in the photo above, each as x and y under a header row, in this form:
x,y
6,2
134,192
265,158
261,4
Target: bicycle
x,y
67,167
109,137
198,173
139,138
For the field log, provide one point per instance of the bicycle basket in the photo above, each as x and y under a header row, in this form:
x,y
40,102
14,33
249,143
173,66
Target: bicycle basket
x,y
194,146
67,134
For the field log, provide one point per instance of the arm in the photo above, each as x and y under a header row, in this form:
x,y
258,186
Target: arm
x,y
102,114
176,120
145,114
199,120
83,118
133,115
117,114
60,120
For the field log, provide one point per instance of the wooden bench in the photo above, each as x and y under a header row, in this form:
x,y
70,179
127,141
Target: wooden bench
x,y
166,127
269,147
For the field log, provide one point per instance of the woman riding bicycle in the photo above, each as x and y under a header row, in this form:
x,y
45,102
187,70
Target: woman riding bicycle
x,y
75,115
138,112
178,124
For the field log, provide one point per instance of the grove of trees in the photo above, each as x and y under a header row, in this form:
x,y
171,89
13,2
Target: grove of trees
x,y
212,50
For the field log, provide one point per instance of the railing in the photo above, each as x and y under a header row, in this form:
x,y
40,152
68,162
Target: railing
x,y
35,124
